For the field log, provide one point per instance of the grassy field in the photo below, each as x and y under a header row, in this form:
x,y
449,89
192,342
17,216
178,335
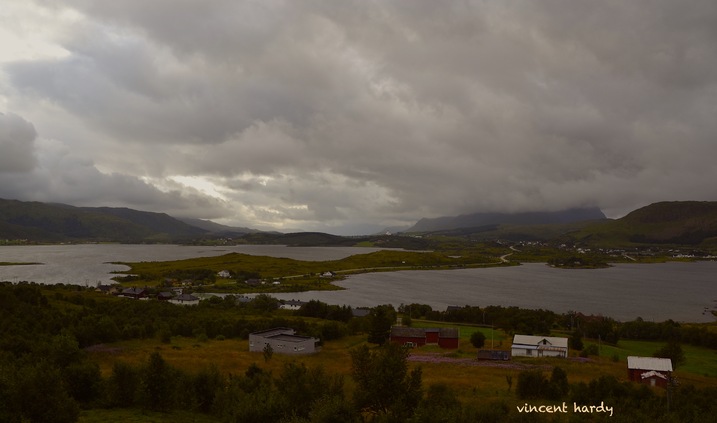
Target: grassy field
x,y
476,382
699,361
132,415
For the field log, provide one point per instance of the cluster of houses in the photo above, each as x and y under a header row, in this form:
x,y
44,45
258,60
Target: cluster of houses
x,y
173,296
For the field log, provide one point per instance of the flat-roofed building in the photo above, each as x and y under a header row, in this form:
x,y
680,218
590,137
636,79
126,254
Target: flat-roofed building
x,y
283,341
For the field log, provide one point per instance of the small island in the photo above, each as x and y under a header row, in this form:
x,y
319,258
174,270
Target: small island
x,y
8,263
576,262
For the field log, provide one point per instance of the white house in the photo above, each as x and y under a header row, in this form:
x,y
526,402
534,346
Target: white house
x,y
291,304
224,274
282,341
539,346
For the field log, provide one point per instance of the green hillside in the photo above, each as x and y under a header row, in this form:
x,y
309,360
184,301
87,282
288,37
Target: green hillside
x,y
691,223
45,222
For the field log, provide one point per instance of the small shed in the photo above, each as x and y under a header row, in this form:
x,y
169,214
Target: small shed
x,y
651,371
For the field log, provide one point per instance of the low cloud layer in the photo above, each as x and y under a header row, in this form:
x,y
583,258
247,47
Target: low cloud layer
x,y
352,116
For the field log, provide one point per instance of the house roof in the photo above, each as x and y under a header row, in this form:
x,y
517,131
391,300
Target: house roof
x,y
448,333
407,332
540,341
273,332
134,291
649,363
186,297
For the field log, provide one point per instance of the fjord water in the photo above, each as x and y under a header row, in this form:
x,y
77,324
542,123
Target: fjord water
x,y
678,291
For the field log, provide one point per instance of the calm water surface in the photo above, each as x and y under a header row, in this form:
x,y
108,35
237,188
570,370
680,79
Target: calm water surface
x,y
678,291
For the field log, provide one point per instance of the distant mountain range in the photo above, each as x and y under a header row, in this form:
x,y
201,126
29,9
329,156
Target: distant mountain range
x,y
476,220
680,223
50,222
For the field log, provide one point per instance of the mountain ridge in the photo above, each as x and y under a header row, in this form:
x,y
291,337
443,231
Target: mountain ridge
x,y
475,220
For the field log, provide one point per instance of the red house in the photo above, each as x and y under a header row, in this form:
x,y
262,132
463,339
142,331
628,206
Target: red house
x,y
651,371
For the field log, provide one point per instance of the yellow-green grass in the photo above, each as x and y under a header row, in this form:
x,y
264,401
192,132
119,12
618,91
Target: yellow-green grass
x,y
133,415
473,382
274,267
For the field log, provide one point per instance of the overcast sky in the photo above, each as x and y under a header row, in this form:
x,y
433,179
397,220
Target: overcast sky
x,y
351,116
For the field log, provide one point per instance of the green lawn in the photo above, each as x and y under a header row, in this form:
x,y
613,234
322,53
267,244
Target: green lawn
x,y
700,361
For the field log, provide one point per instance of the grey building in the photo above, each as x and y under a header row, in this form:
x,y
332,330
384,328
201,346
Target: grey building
x,y
283,341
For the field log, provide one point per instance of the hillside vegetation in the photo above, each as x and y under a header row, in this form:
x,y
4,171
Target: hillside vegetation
x,y
678,223
44,222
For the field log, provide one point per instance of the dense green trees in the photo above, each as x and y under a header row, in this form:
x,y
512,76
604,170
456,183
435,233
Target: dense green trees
x,y
381,318
384,385
673,351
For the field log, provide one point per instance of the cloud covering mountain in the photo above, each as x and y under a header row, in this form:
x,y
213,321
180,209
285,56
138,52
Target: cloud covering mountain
x,y
352,116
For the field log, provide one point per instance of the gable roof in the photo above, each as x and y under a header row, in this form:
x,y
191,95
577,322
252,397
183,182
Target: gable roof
x,y
649,363
407,332
538,341
448,333
186,297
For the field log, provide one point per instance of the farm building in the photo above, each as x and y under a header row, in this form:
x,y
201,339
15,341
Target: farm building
x,y
415,337
418,337
283,341
652,371
539,346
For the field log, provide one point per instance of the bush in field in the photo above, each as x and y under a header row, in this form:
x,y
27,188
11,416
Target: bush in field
x,y
478,339
384,386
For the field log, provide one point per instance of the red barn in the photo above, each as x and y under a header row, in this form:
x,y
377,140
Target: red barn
x,y
448,338
418,337
652,371
415,337
432,335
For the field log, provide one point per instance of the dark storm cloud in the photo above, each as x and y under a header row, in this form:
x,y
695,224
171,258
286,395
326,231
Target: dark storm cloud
x,y
316,114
